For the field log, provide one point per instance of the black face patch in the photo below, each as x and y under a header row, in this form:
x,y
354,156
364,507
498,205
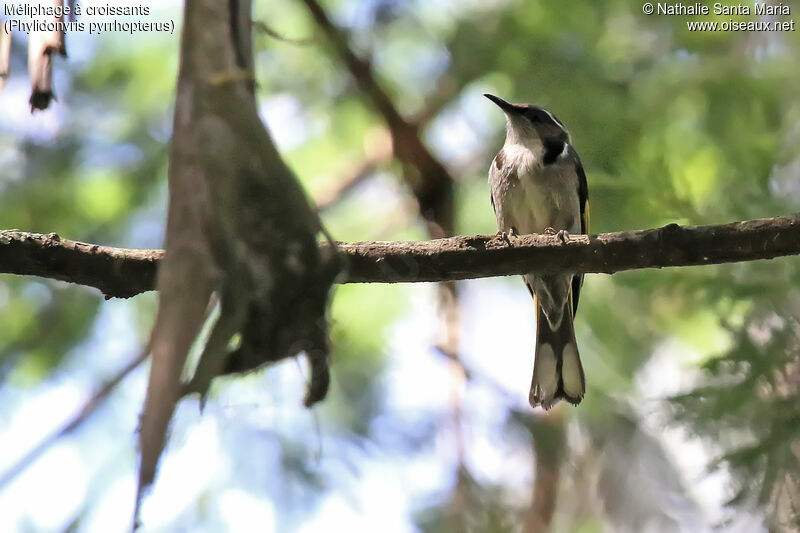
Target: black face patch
x,y
553,148
499,159
546,123
537,115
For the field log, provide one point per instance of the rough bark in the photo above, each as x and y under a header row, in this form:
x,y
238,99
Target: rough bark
x,y
120,272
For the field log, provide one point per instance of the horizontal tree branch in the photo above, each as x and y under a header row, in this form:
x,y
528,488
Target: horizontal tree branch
x,y
120,272
117,272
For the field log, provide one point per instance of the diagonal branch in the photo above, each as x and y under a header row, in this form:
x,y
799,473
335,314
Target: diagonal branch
x,y
427,177
120,272
379,151
89,407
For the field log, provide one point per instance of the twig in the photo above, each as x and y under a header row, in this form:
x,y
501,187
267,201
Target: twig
x,y
264,28
91,405
378,145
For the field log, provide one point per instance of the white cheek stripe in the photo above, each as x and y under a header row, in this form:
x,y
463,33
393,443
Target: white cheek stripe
x,y
555,119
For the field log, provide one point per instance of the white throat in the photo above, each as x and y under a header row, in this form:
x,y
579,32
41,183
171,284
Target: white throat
x,y
523,144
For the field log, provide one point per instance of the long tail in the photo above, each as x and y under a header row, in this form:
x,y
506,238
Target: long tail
x,y
557,370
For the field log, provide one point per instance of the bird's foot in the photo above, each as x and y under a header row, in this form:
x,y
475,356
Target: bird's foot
x,y
563,235
506,236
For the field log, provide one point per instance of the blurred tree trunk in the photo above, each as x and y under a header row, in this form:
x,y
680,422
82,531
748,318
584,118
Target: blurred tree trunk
x,y
238,225
548,439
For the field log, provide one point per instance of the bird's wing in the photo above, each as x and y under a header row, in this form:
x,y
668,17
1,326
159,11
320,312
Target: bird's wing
x,y
583,199
497,176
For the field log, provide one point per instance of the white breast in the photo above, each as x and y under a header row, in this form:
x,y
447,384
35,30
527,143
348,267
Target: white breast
x,y
533,196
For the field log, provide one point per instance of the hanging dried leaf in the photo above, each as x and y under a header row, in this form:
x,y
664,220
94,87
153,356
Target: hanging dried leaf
x,y
5,54
42,45
239,224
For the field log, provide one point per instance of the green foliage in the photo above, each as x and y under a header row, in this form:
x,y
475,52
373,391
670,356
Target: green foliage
x,y
671,125
749,403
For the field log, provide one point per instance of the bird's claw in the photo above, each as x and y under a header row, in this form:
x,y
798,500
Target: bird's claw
x,y
506,236
563,235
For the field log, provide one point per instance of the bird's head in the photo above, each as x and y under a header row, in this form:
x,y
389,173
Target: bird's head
x,y
528,124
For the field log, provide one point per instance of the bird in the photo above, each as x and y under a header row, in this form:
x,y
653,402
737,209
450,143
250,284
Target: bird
x,y
538,185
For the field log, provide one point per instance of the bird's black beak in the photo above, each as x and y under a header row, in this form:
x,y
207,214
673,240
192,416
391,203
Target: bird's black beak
x,y
502,104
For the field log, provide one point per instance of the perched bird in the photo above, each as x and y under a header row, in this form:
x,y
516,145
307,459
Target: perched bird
x,y
538,186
